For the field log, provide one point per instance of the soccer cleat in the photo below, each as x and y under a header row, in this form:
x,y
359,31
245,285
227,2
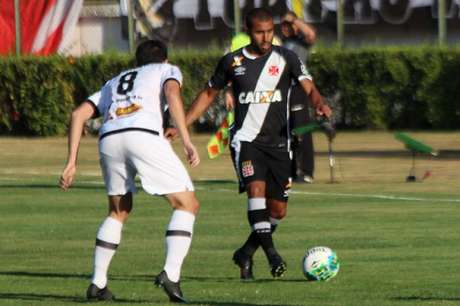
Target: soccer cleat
x,y
171,288
278,266
303,179
94,293
245,263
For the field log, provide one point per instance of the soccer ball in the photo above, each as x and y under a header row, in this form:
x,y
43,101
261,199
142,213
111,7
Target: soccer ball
x,y
320,264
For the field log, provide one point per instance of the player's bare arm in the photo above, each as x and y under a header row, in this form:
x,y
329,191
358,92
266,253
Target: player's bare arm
x,y
307,31
176,108
79,116
229,99
321,108
201,104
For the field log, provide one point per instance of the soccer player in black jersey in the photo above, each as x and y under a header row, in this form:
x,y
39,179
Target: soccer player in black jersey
x,y
260,75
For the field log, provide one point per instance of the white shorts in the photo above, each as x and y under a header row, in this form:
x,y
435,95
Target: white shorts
x,y
128,153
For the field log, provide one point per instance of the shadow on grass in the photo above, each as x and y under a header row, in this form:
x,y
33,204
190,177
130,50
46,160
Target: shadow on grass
x,y
40,297
139,278
62,298
24,296
51,186
234,279
96,186
222,303
81,299
425,298
443,154
45,274
146,277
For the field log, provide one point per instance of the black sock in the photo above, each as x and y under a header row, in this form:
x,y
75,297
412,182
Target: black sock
x,y
259,219
252,243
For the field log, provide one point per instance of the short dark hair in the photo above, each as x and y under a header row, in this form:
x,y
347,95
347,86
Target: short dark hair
x,y
259,13
151,51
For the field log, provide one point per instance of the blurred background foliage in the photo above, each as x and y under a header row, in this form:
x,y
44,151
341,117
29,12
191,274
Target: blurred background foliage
x,y
377,88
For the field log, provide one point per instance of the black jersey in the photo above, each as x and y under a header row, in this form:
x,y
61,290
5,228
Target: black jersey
x,y
260,86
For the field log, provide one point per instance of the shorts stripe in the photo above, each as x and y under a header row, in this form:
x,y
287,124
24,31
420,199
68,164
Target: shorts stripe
x,y
236,145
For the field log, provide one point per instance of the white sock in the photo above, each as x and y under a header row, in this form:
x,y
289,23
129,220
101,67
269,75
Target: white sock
x,y
178,240
107,240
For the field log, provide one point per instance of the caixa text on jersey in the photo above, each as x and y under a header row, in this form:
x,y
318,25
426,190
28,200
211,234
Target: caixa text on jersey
x,y
266,96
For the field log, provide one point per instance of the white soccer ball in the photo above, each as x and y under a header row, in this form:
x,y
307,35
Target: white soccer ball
x,y
320,264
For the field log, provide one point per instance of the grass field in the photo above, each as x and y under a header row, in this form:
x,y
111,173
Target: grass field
x,y
398,243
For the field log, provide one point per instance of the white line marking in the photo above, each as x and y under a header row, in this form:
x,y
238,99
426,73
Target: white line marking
x,y
377,196
351,195
307,193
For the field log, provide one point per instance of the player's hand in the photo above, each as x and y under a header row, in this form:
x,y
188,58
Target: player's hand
x,y
229,100
324,111
327,127
171,133
192,154
289,17
67,177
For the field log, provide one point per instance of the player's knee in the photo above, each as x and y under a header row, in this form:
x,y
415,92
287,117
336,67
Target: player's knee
x,y
120,206
278,213
120,216
256,190
185,201
193,204
120,212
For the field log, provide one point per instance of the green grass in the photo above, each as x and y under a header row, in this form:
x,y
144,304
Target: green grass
x,y
398,249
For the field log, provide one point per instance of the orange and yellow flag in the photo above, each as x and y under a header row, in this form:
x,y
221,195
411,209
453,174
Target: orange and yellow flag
x,y
219,140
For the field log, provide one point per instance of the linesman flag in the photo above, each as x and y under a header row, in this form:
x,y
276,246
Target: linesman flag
x,y
219,140
415,145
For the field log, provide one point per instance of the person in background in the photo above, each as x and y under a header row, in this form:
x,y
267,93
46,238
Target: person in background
x,y
299,37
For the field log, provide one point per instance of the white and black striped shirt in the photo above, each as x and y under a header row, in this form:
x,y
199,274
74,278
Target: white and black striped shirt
x,y
260,86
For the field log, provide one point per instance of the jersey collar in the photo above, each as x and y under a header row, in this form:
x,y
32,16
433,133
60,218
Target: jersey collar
x,y
253,57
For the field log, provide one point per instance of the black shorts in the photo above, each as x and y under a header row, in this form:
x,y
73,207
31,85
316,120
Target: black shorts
x,y
259,163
